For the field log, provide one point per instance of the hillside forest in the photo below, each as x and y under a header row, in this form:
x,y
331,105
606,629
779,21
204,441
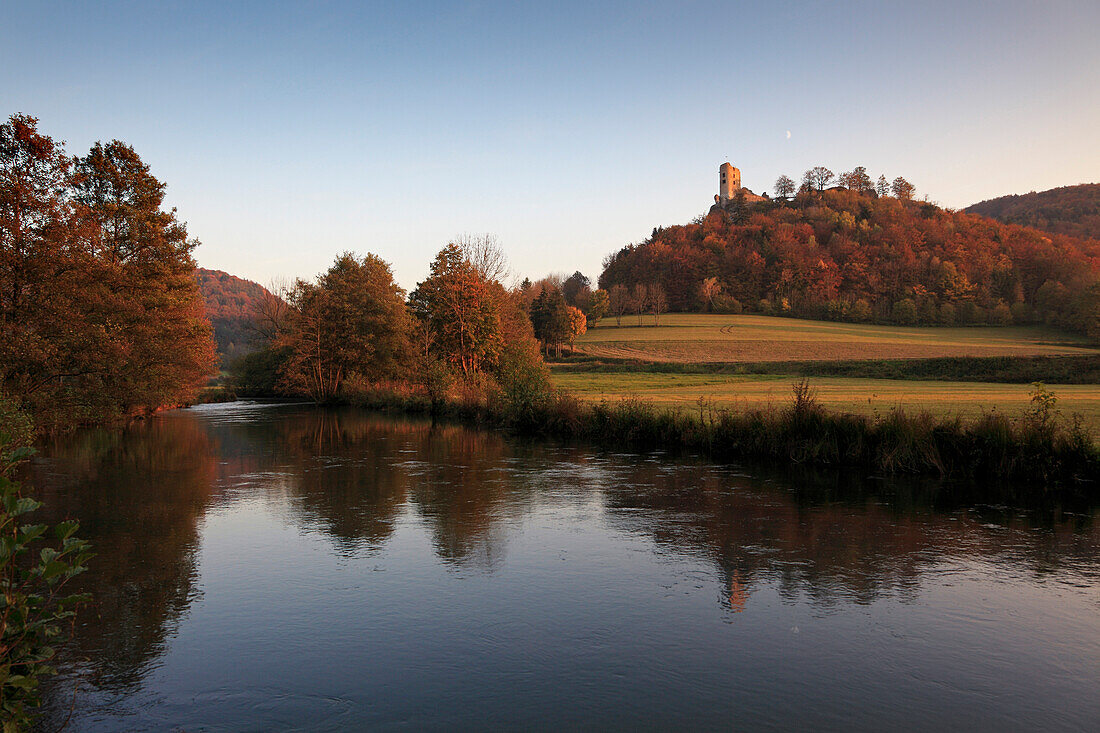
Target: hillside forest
x,y
855,254
1069,210
231,303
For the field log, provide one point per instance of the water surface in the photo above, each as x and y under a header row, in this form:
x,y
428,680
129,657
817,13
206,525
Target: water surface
x,y
287,567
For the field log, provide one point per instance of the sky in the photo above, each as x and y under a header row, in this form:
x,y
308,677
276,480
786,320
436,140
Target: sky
x,y
288,133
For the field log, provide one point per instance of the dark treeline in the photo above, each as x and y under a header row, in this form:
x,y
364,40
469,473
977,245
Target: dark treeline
x,y
100,315
1001,369
1070,210
858,254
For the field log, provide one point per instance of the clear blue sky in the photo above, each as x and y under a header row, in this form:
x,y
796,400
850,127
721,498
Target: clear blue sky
x,y
290,132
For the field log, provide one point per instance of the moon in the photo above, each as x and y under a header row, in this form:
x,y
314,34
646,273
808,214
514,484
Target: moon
x,y
788,134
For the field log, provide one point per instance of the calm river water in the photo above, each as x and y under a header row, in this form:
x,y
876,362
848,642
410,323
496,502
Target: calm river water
x,y
271,567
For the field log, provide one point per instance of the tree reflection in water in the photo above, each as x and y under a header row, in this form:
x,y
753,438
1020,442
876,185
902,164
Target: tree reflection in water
x,y
139,495
826,539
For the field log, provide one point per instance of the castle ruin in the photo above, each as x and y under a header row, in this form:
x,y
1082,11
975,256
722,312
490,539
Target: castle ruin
x,y
730,190
729,180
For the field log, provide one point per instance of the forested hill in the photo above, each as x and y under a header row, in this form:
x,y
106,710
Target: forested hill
x,y
230,304
844,255
1072,210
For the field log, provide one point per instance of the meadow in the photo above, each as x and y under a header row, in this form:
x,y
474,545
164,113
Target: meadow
x,y
709,338
644,362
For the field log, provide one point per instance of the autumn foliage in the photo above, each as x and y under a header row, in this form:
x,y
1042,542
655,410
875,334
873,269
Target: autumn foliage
x,y
854,255
231,304
1070,210
100,315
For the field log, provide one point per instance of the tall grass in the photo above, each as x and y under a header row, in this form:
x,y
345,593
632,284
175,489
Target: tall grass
x,y
1039,446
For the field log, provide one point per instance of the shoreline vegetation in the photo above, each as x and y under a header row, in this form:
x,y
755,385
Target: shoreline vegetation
x,y
1040,445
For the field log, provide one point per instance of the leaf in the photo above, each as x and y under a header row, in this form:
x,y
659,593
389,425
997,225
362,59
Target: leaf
x,y
53,568
65,530
31,532
24,506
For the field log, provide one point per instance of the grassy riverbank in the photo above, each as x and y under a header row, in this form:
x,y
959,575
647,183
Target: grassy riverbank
x,y
869,397
1039,445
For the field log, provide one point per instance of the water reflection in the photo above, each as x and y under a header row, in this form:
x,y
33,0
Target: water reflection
x,y
139,496
371,486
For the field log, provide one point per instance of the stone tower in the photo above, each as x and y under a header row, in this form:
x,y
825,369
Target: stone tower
x,y
729,180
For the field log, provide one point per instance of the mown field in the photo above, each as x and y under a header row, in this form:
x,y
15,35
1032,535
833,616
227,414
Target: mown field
x,y
711,339
863,396
705,338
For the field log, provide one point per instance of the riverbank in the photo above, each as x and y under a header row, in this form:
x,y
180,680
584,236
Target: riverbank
x,y
1038,446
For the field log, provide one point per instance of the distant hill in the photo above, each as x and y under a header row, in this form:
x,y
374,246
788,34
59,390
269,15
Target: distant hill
x,y
1071,210
230,304
850,256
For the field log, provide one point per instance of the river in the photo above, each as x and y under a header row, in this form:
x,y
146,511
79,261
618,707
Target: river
x,y
287,567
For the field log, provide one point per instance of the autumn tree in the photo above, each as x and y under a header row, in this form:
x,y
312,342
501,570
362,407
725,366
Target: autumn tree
x,y
658,302
159,334
902,188
618,298
784,187
599,305
270,311
574,287
46,340
709,289
551,319
639,299
461,310
578,325
100,314
817,178
856,180
882,188
349,324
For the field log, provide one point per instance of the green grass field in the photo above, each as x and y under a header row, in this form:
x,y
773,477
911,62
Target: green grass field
x,y
705,338
695,338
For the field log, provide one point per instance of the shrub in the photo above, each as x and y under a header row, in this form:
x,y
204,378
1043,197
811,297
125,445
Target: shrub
x,y
16,427
33,574
948,314
727,304
1001,314
861,311
1022,313
905,312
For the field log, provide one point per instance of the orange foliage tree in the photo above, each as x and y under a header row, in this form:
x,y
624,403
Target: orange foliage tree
x,y
100,316
351,323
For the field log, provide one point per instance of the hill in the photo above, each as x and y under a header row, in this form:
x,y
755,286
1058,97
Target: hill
x,y
850,256
230,303
1070,210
